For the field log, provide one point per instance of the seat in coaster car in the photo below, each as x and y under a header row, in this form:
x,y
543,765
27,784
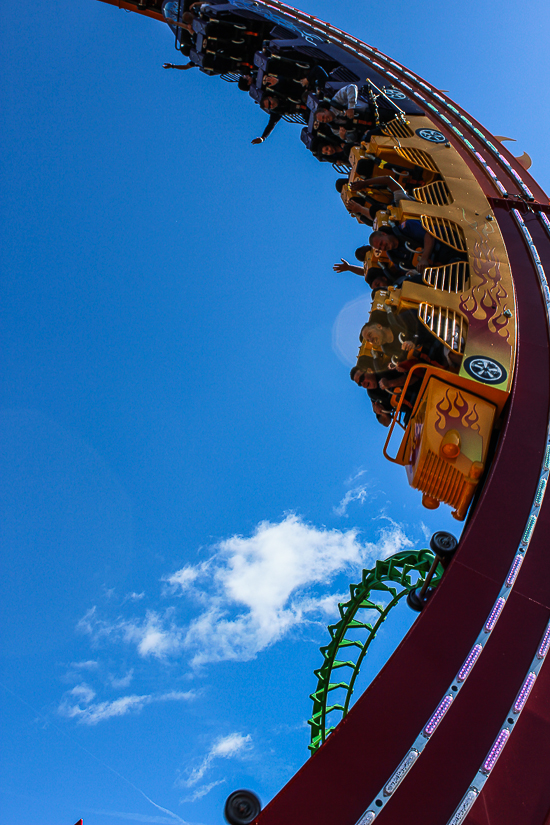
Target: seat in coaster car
x,y
255,93
280,66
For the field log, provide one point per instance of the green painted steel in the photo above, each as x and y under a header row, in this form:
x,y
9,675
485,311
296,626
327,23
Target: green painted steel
x,y
361,617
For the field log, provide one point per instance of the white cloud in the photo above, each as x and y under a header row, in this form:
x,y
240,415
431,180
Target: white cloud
x,y
201,791
269,579
393,540
230,745
182,580
83,693
155,636
133,597
356,494
90,664
92,713
426,532
177,695
226,747
353,478
99,711
89,623
122,681
256,588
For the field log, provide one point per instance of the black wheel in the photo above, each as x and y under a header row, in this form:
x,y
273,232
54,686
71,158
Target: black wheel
x,y
242,808
443,544
415,602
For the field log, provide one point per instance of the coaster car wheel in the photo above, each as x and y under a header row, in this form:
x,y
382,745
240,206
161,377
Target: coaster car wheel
x,y
415,601
443,544
242,807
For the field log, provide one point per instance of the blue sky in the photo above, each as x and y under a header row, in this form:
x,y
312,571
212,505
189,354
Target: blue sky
x,y
190,478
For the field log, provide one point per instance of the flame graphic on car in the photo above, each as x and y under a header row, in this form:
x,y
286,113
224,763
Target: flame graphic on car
x,y
486,300
453,411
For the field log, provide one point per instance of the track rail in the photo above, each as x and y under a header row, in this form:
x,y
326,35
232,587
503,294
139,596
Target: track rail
x,y
458,719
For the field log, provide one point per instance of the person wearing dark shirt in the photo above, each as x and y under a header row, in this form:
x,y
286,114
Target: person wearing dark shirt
x,y
277,108
296,88
346,115
245,81
397,243
380,278
364,376
403,336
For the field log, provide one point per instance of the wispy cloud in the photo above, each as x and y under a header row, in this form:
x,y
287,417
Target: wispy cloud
x,y
122,681
355,477
78,704
90,664
182,580
356,494
257,590
226,747
83,693
201,791
133,597
155,635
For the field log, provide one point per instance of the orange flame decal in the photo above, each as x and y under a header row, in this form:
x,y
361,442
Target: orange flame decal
x,y
472,420
486,300
455,410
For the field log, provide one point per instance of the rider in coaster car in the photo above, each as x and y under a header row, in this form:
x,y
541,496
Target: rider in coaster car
x,y
277,108
405,340
296,88
377,277
380,278
367,197
346,115
363,374
400,242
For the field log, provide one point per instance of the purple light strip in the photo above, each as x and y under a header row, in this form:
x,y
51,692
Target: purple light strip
x,y
495,751
471,659
514,570
501,740
494,614
545,644
523,695
438,716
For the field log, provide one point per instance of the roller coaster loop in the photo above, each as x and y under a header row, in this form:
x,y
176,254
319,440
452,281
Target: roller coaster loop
x,y
405,571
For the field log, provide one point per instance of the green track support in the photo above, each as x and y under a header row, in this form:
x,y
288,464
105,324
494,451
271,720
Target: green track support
x,y
404,571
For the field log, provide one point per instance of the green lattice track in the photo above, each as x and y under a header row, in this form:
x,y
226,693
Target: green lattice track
x,y
351,637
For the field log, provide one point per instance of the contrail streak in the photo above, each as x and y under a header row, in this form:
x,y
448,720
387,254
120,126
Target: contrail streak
x,y
107,767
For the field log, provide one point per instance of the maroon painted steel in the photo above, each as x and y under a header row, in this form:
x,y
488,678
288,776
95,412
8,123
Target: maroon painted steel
x,y
345,775
337,784
414,680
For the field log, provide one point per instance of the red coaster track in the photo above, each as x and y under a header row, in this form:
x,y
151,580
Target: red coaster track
x,y
424,745
350,775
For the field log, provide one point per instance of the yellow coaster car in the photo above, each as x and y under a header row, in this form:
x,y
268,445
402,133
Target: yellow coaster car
x,y
448,415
